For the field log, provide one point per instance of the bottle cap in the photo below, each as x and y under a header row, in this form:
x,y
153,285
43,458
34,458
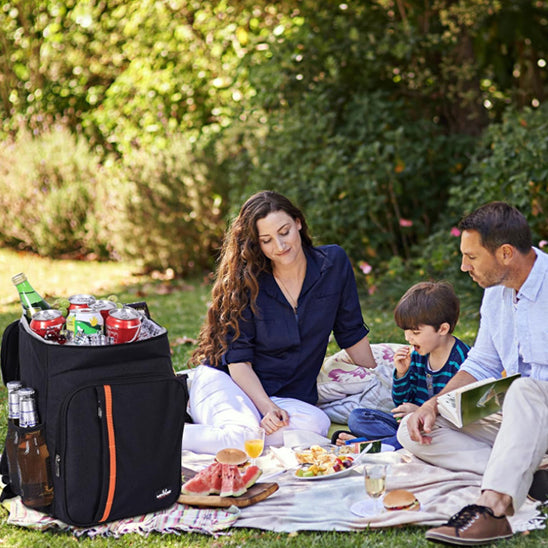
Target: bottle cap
x,y
18,278
13,385
26,392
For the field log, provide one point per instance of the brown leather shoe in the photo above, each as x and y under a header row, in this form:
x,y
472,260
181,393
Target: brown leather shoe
x,y
472,526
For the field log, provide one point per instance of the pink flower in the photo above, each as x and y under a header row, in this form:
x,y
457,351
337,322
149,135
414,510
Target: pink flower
x,y
542,243
365,267
455,232
406,222
372,290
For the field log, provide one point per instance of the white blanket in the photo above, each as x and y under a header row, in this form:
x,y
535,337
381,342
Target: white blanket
x,y
324,505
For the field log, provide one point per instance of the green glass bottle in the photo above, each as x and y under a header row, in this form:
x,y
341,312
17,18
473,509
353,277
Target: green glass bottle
x,y
31,301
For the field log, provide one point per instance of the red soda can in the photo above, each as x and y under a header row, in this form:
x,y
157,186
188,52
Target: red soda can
x,y
81,300
123,325
47,322
104,306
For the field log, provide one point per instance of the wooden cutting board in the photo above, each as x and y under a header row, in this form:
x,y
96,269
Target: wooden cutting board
x,y
255,493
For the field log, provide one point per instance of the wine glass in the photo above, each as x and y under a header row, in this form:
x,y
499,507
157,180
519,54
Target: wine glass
x,y
375,481
254,442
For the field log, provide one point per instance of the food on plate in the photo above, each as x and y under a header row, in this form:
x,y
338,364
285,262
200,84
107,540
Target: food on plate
x,y
318,461
400,499
231,456
225,480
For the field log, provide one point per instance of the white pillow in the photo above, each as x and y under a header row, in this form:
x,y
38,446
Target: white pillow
x,y
339,377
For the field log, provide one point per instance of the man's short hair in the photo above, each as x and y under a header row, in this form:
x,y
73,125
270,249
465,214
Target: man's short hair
x,y
499,223
428,303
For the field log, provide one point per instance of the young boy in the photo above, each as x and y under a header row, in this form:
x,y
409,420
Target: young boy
x,y
428,313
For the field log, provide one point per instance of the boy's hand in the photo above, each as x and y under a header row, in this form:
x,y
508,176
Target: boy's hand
x,y
403,409
402,361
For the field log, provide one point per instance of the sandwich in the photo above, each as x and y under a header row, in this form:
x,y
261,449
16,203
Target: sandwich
x,y
400,499
231,456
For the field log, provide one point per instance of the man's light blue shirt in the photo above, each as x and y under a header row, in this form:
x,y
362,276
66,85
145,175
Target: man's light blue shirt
x,y
513,332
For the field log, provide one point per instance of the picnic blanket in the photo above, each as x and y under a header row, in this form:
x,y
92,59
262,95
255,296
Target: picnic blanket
x,y
325,505
299,505
176,519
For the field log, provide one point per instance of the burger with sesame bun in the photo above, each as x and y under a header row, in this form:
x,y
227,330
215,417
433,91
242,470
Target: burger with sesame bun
x,y
231,456
400,499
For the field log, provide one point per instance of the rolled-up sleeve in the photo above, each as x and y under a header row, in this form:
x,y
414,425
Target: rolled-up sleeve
x,y
243,348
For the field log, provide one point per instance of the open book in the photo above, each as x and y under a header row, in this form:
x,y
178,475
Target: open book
x,y
474,401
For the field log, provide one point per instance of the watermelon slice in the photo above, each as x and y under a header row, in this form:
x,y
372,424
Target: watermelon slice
x,y
205,482
232,483
196,486
215,477
251,475
221,479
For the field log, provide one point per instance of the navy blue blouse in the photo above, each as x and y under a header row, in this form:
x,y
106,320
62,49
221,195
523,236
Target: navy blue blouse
x,y
287,348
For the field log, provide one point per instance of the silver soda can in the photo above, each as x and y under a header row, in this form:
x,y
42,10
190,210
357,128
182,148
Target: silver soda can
x,y
85,321
82,300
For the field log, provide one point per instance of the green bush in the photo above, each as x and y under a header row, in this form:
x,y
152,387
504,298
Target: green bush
x,y
163,209
47,194
510,164
369,176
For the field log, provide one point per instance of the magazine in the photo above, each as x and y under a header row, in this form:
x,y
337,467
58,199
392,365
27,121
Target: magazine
x,y
474,401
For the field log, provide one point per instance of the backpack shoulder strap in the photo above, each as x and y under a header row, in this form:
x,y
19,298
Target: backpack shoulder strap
x,y
183,379
9,353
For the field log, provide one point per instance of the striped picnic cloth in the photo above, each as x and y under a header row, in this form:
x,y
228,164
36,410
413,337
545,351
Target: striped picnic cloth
x,y
177,519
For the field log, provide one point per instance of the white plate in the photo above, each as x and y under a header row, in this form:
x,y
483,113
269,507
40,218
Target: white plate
x,y
367,508
327,476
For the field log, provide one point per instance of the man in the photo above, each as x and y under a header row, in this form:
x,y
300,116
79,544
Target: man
x,y
508,447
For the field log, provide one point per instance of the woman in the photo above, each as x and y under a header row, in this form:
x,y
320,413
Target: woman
x,y
275,301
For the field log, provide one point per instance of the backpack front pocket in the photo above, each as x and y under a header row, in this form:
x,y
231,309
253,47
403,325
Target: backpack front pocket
x,y
118,452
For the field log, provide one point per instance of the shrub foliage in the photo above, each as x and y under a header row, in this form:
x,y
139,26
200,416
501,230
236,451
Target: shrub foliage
x,y
384,120
48,190
163,210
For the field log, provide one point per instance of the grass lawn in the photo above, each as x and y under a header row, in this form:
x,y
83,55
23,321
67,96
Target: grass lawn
x,y
180,307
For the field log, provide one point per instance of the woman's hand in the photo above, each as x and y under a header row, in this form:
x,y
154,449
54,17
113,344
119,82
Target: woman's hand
x,y
403,409
274,419
402,361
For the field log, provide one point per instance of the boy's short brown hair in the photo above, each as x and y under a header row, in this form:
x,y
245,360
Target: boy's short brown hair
x,y
428,303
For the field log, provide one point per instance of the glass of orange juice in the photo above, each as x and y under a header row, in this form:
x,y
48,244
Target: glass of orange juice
x,y
254,442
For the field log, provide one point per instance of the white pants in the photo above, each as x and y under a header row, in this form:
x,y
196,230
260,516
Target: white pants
x,y
506,448
221,411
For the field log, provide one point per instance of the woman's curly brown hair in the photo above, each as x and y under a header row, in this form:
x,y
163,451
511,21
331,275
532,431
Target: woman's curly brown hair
x,y
240,264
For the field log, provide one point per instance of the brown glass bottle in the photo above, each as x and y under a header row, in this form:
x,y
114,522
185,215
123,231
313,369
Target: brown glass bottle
x,y
12,437
33,456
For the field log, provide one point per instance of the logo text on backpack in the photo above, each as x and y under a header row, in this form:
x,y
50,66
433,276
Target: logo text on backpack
x,y
163,493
